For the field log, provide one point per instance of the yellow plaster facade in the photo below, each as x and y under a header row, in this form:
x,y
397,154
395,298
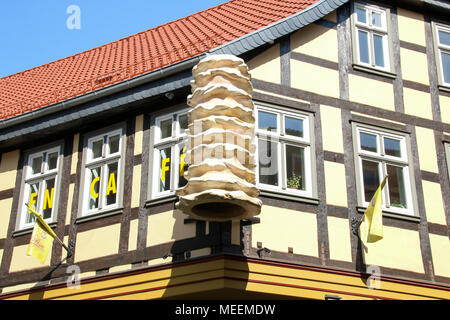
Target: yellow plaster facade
x,y
74,162
417,59
132,239
339,239
138,135
444,103
331,129
417,103
434,206
136,189
8,169
427,149
283,228
97,242
399,249
267,65
20,261
411,27
440,251
371,92
69,203
5,210
309,77
312,39
168,226
335,184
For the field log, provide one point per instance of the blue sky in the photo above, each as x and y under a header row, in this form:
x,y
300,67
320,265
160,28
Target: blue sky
x,y
33,33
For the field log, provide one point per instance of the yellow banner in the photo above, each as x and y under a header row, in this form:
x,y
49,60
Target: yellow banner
x,y
41,238
40,244
371,229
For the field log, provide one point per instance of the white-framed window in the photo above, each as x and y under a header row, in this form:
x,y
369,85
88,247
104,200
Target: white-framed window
x,y
442,41
447,155
102,172
379,153
284,152
169,150
40,186
371,36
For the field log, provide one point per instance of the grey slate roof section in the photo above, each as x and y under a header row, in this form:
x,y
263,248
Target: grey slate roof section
x,y
280,28
93,108
88,105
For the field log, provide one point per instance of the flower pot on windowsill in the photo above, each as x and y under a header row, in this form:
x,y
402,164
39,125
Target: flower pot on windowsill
x,y
294,182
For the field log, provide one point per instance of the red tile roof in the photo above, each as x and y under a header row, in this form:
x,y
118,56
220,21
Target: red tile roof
x,y
139,54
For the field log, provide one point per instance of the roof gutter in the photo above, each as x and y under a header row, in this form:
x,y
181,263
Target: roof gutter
x,y
126,84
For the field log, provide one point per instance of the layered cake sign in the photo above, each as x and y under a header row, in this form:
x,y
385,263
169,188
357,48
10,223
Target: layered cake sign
x,y
220,147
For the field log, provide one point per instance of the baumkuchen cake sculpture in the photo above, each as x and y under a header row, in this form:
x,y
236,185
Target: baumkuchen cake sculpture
x,y
220,148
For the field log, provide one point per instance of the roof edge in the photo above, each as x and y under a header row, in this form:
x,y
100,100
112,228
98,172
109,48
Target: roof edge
x,y
236,47
102,92
279,29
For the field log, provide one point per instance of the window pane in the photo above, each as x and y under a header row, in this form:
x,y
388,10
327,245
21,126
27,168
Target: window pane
x,y
268,162
267,121
36,164
111,186
97,149
446,66
378,48
368,142
295,167
392,147
376,19
164,169
183,167
114,144
371,179
166,128
293,127
361,15
396,187
444,38
183,121
52,160
363,46
33,200
94,188
48,198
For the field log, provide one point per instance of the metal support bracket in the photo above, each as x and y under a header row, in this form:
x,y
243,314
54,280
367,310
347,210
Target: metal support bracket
x,y
355,223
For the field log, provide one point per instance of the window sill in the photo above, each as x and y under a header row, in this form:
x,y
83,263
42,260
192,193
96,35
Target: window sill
x,y
29,230
374,71
394,215
99,215
291,197
444,88
161,200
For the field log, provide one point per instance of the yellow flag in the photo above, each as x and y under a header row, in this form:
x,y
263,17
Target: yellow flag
x,y
371,229
41,238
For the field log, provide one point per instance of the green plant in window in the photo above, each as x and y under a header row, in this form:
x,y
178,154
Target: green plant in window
x,y
294,181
